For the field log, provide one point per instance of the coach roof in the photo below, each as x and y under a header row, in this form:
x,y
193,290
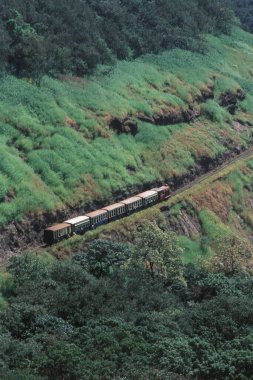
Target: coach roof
x,y
57,227
147,194
96,213
131,200
113,207
77,220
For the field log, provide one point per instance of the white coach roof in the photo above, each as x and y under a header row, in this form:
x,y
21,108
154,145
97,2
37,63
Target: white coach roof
x,y
78,219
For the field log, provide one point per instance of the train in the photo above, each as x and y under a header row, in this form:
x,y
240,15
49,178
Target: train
x,y
80,224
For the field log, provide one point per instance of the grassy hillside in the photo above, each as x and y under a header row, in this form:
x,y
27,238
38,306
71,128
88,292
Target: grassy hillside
x,y
217,210
56,146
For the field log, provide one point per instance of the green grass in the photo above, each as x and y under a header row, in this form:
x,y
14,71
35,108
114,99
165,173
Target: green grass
x,y
193,251
56,148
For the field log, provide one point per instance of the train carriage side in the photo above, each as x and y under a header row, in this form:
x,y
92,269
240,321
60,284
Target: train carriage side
x,y
149,197
132,204
56,233
97,218
79,225
115,211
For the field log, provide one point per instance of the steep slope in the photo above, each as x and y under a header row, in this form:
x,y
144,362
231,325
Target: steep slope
x,y
214,212
72,144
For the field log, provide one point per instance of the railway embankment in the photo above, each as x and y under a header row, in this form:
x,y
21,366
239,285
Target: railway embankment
x,y
28,233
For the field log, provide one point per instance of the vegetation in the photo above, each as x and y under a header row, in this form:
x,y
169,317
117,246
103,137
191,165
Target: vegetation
x,y
56,146
213,221
112,311
53,37
244,10
134,300
113,318
158,251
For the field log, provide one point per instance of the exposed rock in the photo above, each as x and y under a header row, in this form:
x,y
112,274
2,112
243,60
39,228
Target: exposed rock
x,y
146,119
183,223
172,116
126,125
207,93
238,127
230,99
240,95
192,113
168,118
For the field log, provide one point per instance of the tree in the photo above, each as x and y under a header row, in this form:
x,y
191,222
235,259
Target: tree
x,y
103,256
159,251
27,54
72,37
231,255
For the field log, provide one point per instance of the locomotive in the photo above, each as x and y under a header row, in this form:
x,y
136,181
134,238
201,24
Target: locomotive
x,y
81,224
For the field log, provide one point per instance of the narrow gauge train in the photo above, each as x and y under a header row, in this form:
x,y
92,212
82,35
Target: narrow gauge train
x,y
81,224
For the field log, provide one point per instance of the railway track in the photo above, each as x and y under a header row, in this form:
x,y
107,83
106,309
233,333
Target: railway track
x,y
246,154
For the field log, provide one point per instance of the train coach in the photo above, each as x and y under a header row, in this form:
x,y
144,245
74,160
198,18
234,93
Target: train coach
x,y
97,218
57,233
81,224
132,204
115,211
149,197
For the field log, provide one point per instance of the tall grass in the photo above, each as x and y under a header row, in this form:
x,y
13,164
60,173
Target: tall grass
x,y
56,146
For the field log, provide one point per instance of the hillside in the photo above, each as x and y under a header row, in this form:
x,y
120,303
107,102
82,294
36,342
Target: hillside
x,y
214,212
73,144
103,313
100,100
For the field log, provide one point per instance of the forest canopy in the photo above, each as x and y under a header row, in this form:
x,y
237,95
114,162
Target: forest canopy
x,y
117,318
244,10
71,37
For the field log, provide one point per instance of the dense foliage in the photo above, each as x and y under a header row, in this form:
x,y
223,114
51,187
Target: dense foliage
x,y
115,319
55,36
244,10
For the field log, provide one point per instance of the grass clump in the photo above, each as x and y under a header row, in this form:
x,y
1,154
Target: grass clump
x,y
215,112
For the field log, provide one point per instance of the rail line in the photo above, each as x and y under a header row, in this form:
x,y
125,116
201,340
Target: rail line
x,y
239,157
246,154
